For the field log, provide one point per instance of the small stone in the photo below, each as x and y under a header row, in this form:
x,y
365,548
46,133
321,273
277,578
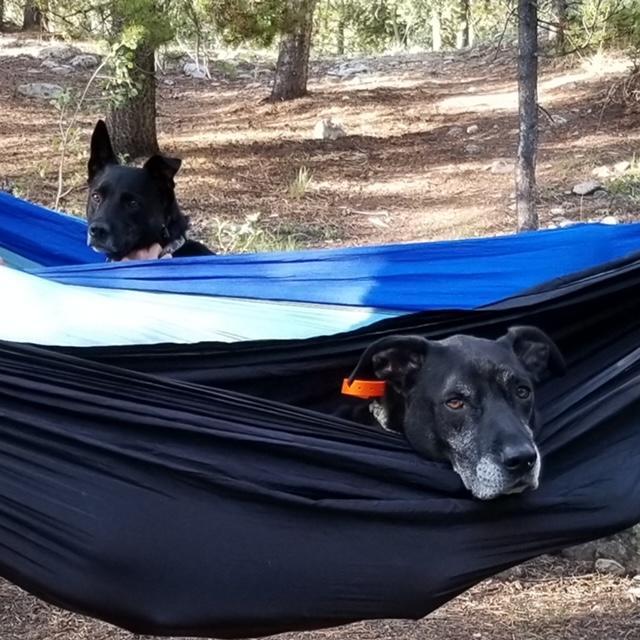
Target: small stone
x,y
84,61
472,149
558,121
455,131
601,172
604,565
556,211
473,128
326,129
59,52
587,188
609,220
41,90
620,167
192,70
501,167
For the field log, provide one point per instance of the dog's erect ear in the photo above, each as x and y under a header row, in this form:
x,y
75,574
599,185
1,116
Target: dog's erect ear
x,y
163,168
535,349
395,359
101,150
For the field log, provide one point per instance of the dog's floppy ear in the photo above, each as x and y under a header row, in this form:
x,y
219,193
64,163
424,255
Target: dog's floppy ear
x,y
101,150
163,168
395,359
535,349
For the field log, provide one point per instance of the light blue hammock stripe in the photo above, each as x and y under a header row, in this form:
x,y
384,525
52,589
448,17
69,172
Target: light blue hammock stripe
x,y
43,312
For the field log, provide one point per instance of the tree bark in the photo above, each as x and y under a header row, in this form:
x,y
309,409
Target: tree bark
x,y
464,18
132,123
31,16
436,30
556,34
528,111
1,16
295,45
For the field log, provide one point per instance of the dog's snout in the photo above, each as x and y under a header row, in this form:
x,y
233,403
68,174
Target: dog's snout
x,y
98,230
519,459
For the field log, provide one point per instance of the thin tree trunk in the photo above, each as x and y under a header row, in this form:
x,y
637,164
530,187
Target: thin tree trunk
x,y
31,16
292,67
556,33
436,30
132,123
342,24
528,110
1,15
464,18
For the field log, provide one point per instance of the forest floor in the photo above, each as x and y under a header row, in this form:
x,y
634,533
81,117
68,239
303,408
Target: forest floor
x,y
428,155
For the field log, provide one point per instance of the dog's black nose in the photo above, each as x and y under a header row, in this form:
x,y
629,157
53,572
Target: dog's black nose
x,y
520,459
98,230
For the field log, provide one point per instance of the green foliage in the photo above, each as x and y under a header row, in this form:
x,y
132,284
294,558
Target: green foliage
x,y
595,24
258,21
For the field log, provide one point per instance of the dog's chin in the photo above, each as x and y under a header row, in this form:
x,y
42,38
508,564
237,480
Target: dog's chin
x,y
488,480
106,248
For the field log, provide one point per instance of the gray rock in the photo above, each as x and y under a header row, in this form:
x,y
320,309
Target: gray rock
x,y
606,565
558,120
192,70
56,67
60,52
326,129
587,188
620,167
472,149
557,211
40,90
84,61
501,167
455,131
473,128
348,70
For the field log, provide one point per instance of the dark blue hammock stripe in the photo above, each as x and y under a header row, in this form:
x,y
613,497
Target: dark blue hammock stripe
x,y
463,274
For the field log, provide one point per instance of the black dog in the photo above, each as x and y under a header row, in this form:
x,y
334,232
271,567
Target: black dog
x,y
467,400
130,209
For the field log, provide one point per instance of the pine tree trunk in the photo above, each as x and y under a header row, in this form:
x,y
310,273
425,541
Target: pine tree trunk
x,y
31,16
556,34
436,30
132,124
528,110
464,18
295,45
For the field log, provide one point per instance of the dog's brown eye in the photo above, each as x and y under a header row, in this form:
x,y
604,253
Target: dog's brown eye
x,y
455,404
523,392
96,197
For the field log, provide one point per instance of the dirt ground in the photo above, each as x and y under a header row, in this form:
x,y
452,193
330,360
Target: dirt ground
x,y
410,168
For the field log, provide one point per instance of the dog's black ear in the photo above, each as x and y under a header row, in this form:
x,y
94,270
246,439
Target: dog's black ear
x,y
101,150
536,350
395,359
163,167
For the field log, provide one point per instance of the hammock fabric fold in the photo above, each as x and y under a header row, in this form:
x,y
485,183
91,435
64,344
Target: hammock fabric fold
x,y
141,487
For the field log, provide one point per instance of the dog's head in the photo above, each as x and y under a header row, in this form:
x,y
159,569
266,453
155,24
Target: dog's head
x,y
130,208
470,401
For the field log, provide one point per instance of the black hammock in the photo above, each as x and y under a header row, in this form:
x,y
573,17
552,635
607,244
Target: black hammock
x,y
193,490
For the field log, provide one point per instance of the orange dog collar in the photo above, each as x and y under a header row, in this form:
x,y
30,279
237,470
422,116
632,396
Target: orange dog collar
x,y
364,388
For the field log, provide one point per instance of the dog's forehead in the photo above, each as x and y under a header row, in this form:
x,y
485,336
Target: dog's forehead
x,y
127,179
468,355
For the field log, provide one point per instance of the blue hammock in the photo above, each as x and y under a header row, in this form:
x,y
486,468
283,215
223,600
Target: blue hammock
x,y
462,274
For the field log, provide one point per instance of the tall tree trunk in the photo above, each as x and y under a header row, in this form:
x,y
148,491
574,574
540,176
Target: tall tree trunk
x,y
31,16
436,30
342,25
463,39
528,110
1,16
556,33
132,122
295,45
